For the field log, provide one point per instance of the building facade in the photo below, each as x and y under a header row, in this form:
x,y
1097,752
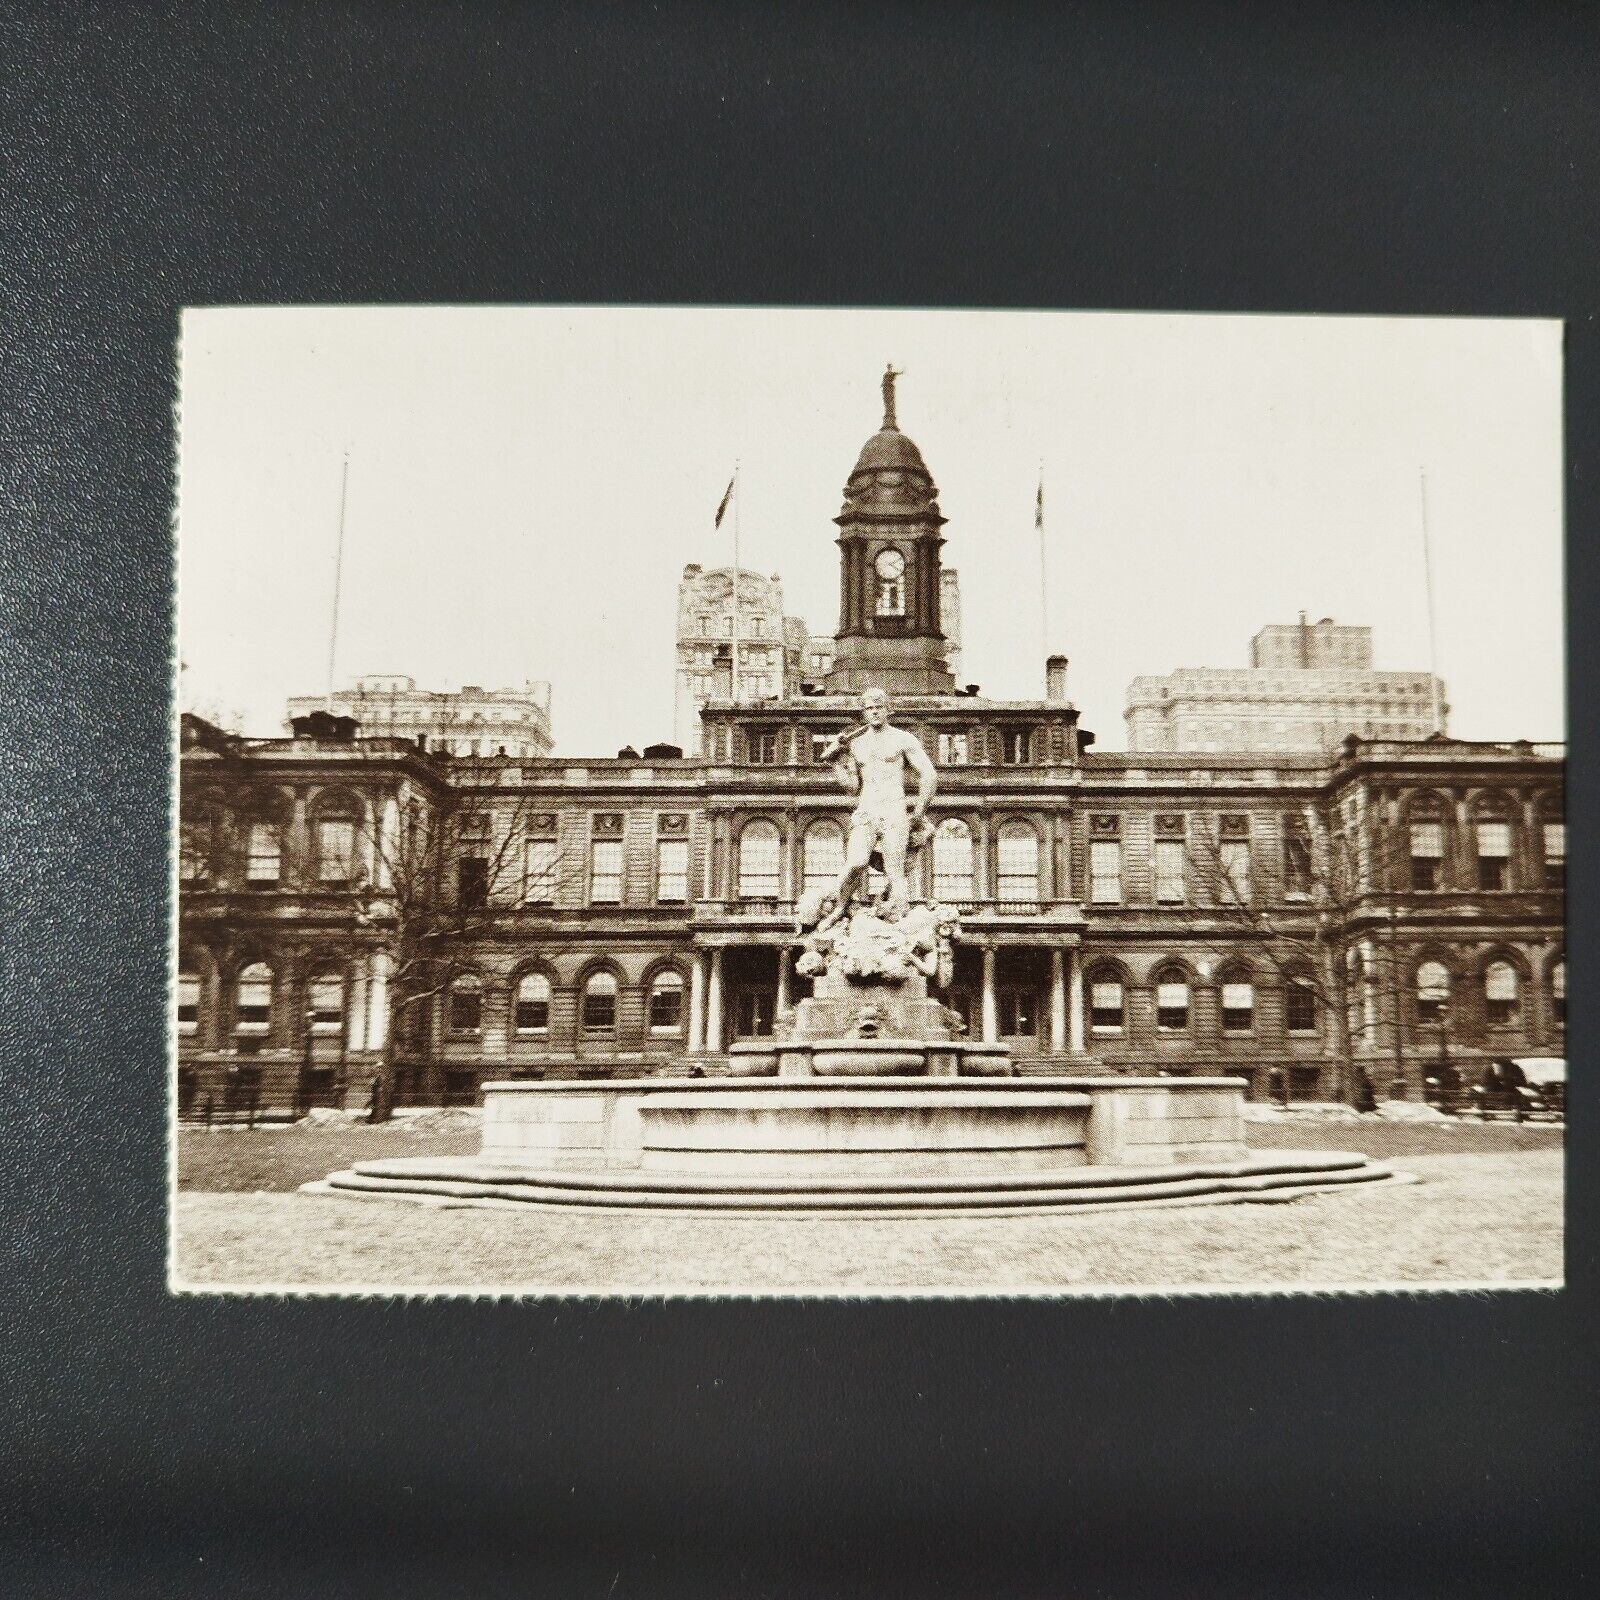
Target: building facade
x,y
1308,687
471,721
352,903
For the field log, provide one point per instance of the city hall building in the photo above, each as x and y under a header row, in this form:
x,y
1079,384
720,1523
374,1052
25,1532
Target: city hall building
x,y
353,902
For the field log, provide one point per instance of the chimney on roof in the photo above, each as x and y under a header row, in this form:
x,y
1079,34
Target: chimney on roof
x,y
1055,678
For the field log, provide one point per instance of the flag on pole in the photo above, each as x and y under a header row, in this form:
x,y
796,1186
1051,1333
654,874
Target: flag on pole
x,y
1038,505
722,507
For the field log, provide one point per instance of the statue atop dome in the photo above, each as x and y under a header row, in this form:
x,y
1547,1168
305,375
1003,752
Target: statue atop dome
x,y
890,373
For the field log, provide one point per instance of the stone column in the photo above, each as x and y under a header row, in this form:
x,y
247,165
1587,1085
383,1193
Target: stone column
x,y
991,1020
714,1002
299,844
1075,1009
783,978
378,1001
697,1003
1058,1002
356,1006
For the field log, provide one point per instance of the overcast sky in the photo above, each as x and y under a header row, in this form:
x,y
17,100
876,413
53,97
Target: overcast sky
x,y
525,486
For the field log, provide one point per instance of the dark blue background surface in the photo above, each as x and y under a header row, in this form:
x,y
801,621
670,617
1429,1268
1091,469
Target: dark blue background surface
x,y
1366,159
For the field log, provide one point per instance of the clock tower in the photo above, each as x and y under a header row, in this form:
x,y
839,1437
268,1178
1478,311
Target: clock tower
x,y
890,635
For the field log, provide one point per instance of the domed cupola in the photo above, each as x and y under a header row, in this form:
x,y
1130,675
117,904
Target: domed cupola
x,y
889,540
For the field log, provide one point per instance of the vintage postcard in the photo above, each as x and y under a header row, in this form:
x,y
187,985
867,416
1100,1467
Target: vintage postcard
x,y
762,801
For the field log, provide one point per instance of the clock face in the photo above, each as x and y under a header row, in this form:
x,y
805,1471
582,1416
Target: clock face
x,y
890,564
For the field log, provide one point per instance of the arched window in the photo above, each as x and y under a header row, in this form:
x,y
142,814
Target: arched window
x,y
337,830
1558,991
1553,849
1108,1002
1172,1001
1238,997
1501,1000
952,861
325,1003
600,1005
253,999
1433,992
890,568
264,856
531,1009
1491,835
758,861
822,855
1017,859
1426,843
1300,1004
665,1011
188,1002
466,1003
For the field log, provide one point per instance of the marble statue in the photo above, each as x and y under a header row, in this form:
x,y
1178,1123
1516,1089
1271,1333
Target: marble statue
x,y
871,762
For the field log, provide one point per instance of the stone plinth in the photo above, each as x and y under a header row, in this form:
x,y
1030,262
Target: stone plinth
x,y
1138,1121
887,1146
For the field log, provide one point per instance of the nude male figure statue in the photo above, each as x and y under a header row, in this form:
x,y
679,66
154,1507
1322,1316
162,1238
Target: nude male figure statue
x,y
871,762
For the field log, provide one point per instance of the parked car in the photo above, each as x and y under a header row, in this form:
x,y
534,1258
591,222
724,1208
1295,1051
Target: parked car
x,y
1522,1087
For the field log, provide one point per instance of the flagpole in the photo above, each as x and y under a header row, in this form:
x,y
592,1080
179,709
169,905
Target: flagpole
x,y
738,495
1433,632
338,576
1044,590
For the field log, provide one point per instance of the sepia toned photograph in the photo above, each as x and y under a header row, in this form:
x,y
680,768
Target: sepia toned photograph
x,y
806,802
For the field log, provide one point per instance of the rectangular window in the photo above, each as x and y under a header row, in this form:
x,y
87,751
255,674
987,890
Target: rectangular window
x,y
1234,862
539,872
1500,993
265,859
1172,1007
336,850
759,850
1494,850
1427,851
605,872
764,747
188,1003
326,1004
1555,854
533,1011
194,850
672,871
472,882
466,1009
1014,747
1238,1007
1105,1007
1301,1005
1170,888
952,749
758,627
1017,857
705,627
1296,864
1105,872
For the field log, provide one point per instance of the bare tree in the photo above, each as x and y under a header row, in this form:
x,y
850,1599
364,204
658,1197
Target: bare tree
x,y
441,866
1337,872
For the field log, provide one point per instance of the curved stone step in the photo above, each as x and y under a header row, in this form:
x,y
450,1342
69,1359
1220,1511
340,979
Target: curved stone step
x,y
469,1182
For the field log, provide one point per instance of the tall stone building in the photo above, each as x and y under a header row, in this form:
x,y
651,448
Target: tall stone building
x,y
1318,913
1308,687
771,645
471,721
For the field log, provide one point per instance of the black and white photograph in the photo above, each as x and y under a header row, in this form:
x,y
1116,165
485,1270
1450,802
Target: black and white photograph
x,y
747,801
